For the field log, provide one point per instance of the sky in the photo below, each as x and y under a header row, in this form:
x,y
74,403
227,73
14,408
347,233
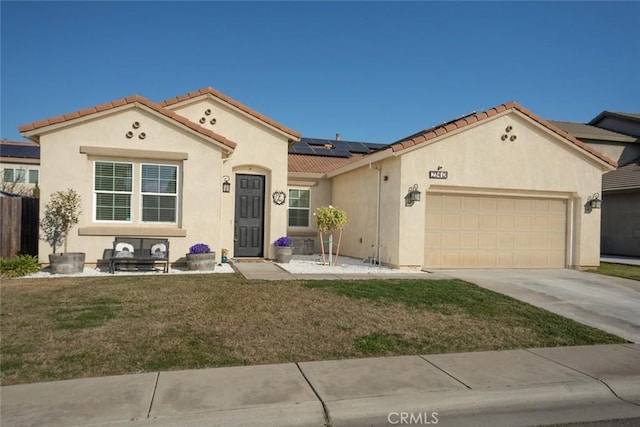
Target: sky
x,y
371,71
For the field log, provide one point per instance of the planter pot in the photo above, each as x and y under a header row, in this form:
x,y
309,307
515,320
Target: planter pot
x,y
224,259
67,263
202,262
284,254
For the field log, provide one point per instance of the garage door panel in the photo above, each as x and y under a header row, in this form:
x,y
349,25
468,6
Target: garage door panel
x,y
464,231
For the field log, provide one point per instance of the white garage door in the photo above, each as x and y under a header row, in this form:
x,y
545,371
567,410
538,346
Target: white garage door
x,y
464,231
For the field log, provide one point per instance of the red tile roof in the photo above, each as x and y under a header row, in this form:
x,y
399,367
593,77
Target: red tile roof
x,y
430,134
211,91
128,100
319,164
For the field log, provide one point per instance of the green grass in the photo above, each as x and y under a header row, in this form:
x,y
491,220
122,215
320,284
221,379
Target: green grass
x,y
82,327
619,270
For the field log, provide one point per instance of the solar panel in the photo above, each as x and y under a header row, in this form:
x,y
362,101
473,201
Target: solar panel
x,y
332,148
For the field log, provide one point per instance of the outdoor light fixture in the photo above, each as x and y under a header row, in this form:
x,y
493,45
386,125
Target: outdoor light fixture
x,y
226,185
594,201
412,196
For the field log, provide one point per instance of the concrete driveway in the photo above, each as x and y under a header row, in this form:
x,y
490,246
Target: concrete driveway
x,y
608,303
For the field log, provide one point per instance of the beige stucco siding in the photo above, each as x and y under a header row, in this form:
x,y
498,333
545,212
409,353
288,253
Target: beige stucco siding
x,y
320,195
369,233
65,166
478,161
261,150
537,165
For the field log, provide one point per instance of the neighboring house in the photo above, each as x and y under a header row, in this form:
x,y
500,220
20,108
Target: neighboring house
x,y
501,188
617,135
19,167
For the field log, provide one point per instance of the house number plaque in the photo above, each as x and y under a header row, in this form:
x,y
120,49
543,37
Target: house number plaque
x,y
438,174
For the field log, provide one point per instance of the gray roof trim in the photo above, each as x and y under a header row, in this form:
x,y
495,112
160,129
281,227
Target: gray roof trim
x,y
634,117
624,178
585,131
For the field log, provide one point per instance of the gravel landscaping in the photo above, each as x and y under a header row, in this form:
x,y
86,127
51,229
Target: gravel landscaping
x,y
300,264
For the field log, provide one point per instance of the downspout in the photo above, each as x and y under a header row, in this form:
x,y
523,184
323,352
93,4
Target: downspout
x,y
379,189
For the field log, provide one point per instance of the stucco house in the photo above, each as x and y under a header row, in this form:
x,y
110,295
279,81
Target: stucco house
x,y
616,134
157,169
501,188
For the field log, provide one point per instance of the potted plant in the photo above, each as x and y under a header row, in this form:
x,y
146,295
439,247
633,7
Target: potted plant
x,y
60,215
224,259
329,219
284,249
200,257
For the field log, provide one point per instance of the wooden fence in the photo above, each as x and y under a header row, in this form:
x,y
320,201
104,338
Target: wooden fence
x,y
18,226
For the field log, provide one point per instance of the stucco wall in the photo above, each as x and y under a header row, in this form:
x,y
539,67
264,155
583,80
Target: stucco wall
x,y
536,163
320,195
261,150
63,166
621,223
623,153
357,193
478,161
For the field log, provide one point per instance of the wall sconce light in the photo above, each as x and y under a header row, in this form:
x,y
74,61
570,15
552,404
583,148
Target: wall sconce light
x,y
226,185
412,196
593,202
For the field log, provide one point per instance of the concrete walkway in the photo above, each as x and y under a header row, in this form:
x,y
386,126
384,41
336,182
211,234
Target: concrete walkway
x,y
608,303
620,259
267,270
261,270
515,388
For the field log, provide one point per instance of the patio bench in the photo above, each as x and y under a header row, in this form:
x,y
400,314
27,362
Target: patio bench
x,y
139,253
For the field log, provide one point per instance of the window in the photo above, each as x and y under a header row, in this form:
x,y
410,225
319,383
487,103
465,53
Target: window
x,y
34,175
298,207
13,175
113,187
159,186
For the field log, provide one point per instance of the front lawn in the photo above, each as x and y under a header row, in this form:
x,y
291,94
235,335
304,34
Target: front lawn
x,y
619,270
83,327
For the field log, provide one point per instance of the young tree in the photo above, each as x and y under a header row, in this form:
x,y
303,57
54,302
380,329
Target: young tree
x,y
329,219
60,215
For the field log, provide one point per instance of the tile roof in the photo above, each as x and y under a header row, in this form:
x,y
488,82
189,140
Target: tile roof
x,y
319,164
20,150
437,131
580,130
217,94
624,178
125,101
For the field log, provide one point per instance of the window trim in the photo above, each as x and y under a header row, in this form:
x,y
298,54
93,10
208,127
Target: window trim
x,y
176,195
95,194
308,209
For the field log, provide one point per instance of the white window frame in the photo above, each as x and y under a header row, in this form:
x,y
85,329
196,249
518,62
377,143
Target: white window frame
x,y
16,174
308,209
175,195
130,193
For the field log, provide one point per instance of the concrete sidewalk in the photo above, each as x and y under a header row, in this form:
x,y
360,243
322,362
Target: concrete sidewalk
x,y
515,387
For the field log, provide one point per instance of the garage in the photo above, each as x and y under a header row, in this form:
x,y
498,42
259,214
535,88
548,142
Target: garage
x,y
481,231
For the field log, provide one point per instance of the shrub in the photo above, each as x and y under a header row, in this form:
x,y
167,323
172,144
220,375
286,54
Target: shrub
x,y
19,266
329,218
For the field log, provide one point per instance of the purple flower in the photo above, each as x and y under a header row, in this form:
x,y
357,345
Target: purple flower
x,y
199,248
283,241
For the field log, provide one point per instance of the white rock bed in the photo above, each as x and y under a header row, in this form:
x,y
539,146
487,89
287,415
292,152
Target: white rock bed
x,y
312,264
